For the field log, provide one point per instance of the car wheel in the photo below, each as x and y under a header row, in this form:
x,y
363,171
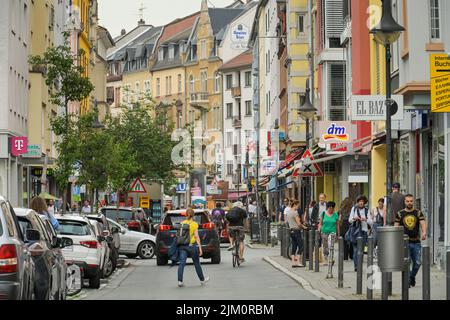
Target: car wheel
x,y
108,268
146,250
131,256
161,261
94,283
215,259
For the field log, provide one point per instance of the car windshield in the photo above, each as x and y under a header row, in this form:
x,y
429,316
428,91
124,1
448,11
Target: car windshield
x,y
73,228
172,219
24,226
114,214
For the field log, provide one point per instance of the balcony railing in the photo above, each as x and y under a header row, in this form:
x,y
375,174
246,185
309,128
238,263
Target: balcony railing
x,y
237,122
199,99
236,92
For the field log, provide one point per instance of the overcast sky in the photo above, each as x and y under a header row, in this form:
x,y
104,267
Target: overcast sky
x,y
116,15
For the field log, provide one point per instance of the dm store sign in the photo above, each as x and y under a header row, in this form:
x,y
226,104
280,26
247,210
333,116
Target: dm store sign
x,y
336,132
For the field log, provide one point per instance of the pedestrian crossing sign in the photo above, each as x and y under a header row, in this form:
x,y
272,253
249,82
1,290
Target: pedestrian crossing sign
x,y
138,187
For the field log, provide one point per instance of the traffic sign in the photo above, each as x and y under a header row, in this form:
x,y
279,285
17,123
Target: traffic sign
x,y
138,187
440,82
145,202
307,169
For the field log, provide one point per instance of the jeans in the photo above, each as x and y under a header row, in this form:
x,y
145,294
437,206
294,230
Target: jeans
x,y
415,254
297,242
355,249
192,252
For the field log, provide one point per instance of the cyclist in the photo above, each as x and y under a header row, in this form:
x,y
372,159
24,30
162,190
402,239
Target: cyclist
x,y
218,217
235,218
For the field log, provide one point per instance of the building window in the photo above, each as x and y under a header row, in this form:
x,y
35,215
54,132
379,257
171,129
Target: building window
x,y
229,81
229,139
161,54
301,23
180,84
117,97
158,87
217,83
191,84
332,23
248,108
171,52
147,87
229,110
203,49
204,80
230,168
435,21
336,92
248,79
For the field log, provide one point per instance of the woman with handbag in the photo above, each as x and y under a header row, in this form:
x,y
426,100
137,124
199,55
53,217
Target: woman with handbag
x,y
295,226
189,245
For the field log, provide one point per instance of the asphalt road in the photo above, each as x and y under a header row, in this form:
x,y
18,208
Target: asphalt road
x,y
254,280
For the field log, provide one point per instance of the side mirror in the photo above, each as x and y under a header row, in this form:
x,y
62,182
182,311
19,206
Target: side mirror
x,y
33,235
65,242
115,230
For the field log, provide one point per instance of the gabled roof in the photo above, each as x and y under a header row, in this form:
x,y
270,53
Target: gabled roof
x,y
243,60
221,17
177,26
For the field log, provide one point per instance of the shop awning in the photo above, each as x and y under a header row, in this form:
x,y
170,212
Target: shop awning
x,y
236,195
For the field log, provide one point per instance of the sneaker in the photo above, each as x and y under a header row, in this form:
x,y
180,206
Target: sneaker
x,y
412,283
204,281
230,248
180,284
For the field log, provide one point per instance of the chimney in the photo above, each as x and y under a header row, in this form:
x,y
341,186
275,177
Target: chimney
x,y
141,22
123,32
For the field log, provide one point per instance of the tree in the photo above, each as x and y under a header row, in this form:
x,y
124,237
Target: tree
x,y
64,76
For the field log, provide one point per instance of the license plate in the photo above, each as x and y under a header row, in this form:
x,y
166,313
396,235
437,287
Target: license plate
x,y
68,249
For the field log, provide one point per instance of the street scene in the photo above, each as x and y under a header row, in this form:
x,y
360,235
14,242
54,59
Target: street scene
x,y
224,150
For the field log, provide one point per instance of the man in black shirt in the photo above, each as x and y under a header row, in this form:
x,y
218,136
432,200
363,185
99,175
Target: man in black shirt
x,y
235,218
410,219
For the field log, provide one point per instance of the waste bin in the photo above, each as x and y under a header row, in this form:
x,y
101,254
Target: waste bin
x,y
254,230
390,249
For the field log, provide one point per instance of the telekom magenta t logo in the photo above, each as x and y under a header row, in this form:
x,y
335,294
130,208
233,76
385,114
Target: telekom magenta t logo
x,y
19,145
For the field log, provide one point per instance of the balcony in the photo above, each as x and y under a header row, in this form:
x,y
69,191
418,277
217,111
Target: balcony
x,y
236,92
237,123
200,100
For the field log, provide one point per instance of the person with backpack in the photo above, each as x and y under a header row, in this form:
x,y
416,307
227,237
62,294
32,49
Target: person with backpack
x,y
235,218
218,216
377,215
359,220
189,245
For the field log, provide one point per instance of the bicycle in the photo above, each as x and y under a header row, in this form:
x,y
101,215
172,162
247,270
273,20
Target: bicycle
x,y
237,244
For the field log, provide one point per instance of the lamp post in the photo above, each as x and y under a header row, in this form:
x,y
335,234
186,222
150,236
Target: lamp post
x,y
307,112
247,167
96,124
386,33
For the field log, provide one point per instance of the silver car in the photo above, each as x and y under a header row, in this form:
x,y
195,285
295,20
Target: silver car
x,y
132,243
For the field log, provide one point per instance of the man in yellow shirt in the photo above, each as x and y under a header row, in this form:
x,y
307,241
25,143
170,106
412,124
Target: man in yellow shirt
x,y
193,250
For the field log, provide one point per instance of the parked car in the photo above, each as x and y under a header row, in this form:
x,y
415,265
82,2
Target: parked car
x,y
50,268
106,251
112,240
17,272
86,251
132,243
125,216
206,231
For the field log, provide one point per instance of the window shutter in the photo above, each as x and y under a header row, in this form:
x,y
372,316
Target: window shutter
x,y
337,92
334,24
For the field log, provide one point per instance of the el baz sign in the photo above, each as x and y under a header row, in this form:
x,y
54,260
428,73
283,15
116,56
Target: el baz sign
x,y
373,108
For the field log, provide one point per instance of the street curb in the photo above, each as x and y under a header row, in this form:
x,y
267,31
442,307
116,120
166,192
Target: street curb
x,y
305,284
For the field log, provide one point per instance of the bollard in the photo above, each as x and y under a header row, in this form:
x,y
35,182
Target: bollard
x,y
282,239
369,268
359,265
341,263
305,246
426,272
316,252
405,272
384,286
311,248
448,273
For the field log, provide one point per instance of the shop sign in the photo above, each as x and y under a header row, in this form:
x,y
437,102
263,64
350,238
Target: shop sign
x,y
33,151
373,108
340,132
440,82
19,146
181,188
240,36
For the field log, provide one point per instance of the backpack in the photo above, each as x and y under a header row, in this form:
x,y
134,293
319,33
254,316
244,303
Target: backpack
x,y
355,229
379,219
183,236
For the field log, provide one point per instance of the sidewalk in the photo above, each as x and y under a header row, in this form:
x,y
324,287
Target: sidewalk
x,y
328,288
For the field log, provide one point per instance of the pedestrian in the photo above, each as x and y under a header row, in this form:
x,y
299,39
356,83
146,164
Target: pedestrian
x,y
410,218
377,215
359,219
51,207
295,226
283,206
218,217
252,209
193,250
329,228
86,208
344,213
40,207
287,208
318,210
308,213
397,201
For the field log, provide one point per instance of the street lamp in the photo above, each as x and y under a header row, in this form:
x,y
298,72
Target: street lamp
x,y
386,33
307,113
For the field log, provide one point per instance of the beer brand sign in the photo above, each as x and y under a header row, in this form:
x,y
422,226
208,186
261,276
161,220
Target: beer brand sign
x,y
19,146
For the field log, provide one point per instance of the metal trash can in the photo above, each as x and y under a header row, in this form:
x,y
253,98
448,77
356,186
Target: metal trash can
x,y
390,249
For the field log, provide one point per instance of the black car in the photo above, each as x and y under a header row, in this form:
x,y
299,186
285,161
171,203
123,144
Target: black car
x,y
207,232
51,269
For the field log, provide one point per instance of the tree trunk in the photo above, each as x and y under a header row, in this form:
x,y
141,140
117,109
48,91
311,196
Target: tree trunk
x,y
64,205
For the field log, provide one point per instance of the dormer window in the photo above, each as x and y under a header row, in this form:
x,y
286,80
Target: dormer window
x,y
171,52
161,54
